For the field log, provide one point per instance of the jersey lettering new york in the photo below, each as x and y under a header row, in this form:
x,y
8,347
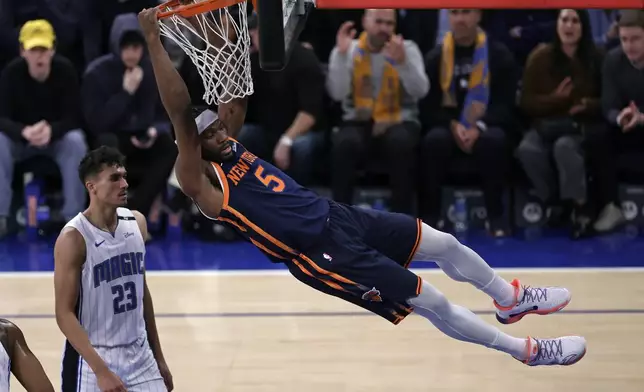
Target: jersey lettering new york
x,y
267,207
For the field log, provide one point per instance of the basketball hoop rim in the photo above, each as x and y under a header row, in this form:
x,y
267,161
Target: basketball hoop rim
x,y
190,10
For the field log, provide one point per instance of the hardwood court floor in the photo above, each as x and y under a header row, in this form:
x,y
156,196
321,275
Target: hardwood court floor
x,y
267,332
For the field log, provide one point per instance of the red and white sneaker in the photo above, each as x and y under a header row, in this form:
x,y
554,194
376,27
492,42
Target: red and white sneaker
x,y
532,300
564,351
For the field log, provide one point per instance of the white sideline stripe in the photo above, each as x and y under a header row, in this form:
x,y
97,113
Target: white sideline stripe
x,y
421,271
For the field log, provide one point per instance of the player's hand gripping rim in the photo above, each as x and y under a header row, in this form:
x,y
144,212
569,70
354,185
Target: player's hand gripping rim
x,y
149,22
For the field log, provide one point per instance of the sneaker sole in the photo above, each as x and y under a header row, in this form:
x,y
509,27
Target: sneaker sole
x,y
579,358
540,312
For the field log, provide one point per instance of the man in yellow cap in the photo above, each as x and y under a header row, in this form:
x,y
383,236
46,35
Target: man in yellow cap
x,y
37,33
37,40
40,115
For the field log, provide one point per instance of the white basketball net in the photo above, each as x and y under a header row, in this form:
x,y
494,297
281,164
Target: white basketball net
x,y
220,56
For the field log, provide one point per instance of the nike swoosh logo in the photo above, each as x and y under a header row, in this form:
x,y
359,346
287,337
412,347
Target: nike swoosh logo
x,y
97,244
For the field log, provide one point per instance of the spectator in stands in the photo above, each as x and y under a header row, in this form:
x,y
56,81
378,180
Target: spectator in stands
x,y
520,30
40,115
561,90
120,102
379,78
64,16
623,106
285,134
604,24
97,19
468,111
418,25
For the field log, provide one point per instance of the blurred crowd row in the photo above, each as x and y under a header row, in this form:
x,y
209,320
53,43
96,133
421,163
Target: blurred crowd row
x,y
411,99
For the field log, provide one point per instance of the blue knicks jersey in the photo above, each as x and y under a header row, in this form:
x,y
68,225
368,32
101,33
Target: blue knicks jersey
x,y
267,207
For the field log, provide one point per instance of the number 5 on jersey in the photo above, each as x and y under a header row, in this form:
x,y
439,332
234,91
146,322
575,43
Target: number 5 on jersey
x,y
126,291
270,181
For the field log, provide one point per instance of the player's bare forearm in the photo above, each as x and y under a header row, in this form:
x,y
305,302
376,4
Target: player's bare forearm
x,y
233,114
209,198
151,324
176,101
173,90
25,366
69,256
77,337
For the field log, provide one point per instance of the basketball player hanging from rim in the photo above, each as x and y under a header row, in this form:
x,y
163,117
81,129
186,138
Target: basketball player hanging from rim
x,y
103,304
354,254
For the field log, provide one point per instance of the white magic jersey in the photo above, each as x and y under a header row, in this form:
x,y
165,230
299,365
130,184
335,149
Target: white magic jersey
x,y
110,309
110,301
5,369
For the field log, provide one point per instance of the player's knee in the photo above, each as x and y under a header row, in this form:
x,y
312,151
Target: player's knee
x,y
435,244
433,300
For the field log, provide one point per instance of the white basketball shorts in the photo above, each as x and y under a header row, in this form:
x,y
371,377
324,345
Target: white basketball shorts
x,y
134,364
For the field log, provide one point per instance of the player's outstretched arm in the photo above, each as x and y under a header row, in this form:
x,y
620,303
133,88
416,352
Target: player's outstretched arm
x,y
69,256
176,101
24,364
148,315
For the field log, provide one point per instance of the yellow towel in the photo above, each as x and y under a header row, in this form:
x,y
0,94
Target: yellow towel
x,y
477,97
385,108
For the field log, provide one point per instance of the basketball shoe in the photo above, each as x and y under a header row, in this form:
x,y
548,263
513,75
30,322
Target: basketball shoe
x,y
532,300
564,351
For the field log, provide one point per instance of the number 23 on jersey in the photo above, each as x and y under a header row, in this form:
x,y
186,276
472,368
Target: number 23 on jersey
x,y
124,297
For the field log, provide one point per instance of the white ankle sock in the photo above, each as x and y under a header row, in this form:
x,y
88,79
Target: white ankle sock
x,y
511,345
500,290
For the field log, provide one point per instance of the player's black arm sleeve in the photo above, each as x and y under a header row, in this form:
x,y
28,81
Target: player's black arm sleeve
x,y
24,364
